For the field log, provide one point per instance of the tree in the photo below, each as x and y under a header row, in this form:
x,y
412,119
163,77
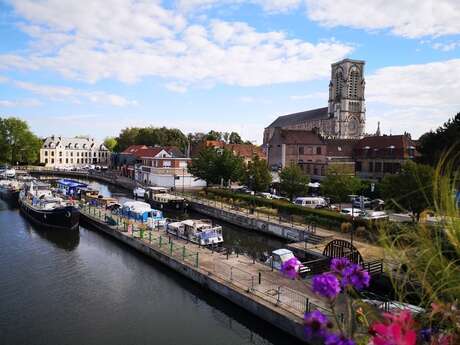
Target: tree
x,y
234,138
110,143
411,190
432,145
151,136
214,135
17,143
126,138
293,181
257,175
216,166
338,186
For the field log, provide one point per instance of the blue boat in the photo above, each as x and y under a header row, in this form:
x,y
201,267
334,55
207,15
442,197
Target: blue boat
x,y
141,211
70,187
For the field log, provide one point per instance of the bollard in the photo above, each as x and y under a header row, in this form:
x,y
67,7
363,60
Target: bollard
x,y
260,278
279,294
227,253
252,282
196,261
161,241
171,248
183,253
231,273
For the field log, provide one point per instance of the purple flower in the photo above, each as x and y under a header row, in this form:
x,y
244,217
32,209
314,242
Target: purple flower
x,y
290,268
326,285
355,276
334,339
316,324
338,265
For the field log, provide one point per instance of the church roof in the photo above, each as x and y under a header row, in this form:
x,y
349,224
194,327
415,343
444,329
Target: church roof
x,y
296,118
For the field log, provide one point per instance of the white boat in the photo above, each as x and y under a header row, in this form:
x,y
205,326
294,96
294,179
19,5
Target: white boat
x,y
139,192
197,231
142,211
280,256
10,173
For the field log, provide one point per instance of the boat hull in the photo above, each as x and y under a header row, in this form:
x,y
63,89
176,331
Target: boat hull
x,y
11,197
172,205
62,218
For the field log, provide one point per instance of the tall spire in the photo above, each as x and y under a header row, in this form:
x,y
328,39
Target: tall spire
x,y
378,129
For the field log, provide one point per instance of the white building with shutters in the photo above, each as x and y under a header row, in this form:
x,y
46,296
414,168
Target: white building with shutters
x,y
60,152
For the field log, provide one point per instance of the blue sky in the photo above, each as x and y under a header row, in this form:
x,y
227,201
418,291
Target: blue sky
x,y
95,67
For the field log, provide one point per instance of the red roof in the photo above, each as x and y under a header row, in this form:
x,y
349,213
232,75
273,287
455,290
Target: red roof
x,y
385,146
133,149
246,150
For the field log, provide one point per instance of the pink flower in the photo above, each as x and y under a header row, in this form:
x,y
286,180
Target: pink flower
x,y
397,329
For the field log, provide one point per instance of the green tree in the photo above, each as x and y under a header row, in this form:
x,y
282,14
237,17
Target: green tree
x,y
338,186
257,175
215,166
293,181
151,136
214,135
17,143
126,138
110,143
234,138
432,145
411,190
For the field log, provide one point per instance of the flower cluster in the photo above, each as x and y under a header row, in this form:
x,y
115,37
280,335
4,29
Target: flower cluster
x,y
397,329
343,274
290,268
318,330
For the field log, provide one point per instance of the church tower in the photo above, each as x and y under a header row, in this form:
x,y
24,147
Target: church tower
x,y
346,108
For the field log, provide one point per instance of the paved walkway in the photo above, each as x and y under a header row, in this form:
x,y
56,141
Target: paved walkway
x,y
293,296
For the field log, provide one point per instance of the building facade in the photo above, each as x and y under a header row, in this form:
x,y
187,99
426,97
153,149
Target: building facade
x,y
245,151
345,115
58,152
303,148
377,156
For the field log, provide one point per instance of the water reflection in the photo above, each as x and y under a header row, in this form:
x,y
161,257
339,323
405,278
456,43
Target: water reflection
x,y
63,239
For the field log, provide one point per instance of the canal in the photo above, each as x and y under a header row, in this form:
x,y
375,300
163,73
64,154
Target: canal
x,y
82,287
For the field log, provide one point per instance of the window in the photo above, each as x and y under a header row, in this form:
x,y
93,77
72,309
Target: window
x,y
67,160
315,170
52,160
358,166
94,154
166,163
318,150
60,160
378,166
71,160
353,83
71,154
46,160
301,150
46,152
60,153
52,153
78,154
371,166
338,83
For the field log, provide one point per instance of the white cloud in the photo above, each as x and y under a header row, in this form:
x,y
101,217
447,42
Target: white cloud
x,y
127,41
407,18
446,47
176,87
20,103
413,98
74,95
322,95
271,6
251,99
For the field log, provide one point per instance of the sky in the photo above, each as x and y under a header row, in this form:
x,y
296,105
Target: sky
x,y
93,67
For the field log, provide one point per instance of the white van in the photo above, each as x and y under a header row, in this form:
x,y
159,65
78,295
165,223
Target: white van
x,y
311,202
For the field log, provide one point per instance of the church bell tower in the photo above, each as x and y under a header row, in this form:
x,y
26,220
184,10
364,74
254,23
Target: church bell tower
x,y
347,109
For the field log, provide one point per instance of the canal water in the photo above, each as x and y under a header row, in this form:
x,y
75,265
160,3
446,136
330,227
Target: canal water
x,y
83,287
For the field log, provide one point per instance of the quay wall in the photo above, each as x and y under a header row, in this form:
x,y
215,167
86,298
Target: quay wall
x,y
292,325
251,223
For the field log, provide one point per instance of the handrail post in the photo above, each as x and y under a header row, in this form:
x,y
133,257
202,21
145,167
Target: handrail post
x,y
196,262
171,248
183,253
279,295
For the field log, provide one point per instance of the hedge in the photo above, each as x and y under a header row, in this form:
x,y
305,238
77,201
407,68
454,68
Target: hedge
x,y
320,217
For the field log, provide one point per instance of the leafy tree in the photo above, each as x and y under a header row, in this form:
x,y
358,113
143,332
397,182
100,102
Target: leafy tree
x,y
293,181
257,175
214,135
432,145
126,138
234,138
110,143
215,166
410,190
151,136
17,143
338,186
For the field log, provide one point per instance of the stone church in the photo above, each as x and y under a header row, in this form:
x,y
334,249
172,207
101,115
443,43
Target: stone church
x,y
345,115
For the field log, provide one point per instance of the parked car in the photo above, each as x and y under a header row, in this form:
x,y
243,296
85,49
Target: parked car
x,y
356,202
353,212
374,215
278,197
311,202
265,195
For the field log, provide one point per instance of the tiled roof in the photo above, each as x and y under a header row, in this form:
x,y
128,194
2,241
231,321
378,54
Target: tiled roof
x,y
152,151
133,149
293,136
73,143
245,150
385,146
340,147
297,118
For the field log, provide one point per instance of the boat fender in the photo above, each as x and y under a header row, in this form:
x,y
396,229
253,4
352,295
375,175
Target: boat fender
x,y
68,214
264,226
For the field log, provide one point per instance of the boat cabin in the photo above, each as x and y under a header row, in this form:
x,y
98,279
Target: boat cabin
x,y
70,187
